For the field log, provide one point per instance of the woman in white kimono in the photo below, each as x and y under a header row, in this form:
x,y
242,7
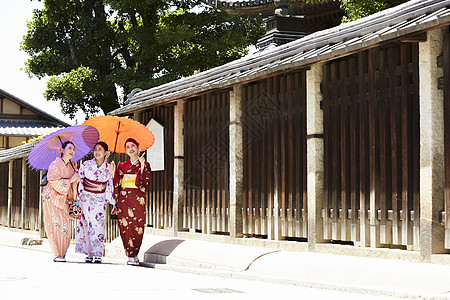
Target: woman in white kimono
x,y
95,189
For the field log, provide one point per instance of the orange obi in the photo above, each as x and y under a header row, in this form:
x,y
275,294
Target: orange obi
x,y
129,181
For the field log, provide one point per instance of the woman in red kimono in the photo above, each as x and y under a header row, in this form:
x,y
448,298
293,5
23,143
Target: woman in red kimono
x,y
62,182
130,190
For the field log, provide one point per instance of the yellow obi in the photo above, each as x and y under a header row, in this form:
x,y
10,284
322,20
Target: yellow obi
x,y
129,181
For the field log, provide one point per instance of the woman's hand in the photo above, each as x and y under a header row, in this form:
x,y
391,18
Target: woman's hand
x,y
75,178
112,167
142,161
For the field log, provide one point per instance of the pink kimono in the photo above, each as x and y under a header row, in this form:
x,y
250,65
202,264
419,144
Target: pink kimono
x,y
55,205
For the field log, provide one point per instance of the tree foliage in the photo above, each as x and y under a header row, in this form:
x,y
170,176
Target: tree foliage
x,y
356,9
92,48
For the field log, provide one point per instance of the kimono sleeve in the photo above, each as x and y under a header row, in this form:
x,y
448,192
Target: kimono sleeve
x,y
82,173
144,177
109,193
55,179
117,180
81,170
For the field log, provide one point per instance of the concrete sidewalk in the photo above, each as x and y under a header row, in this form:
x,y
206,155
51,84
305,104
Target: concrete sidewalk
x,y
317,270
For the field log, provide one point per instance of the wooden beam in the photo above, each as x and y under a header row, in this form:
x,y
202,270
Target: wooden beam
x,y
19,116
414,38
10,191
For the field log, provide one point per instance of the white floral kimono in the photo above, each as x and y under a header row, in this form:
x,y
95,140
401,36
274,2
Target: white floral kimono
x,y
94,190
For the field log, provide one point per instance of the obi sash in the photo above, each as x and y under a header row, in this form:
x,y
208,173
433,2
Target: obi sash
x,y
93,186
129,181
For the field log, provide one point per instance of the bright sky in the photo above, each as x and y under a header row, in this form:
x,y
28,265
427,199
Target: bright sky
x,y
13,17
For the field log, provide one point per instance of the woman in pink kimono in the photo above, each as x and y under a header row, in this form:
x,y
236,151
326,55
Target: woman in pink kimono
x,y
61,187
130,190
95,189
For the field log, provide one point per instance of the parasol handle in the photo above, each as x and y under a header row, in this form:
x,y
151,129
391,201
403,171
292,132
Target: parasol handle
x,y
72,166
69,159
117,135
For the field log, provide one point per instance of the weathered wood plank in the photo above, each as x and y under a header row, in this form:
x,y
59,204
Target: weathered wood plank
x,y
395,124
335,155
327,153
413,86
303,155
354,157
363,133
373,121
406,156
446,55
344,149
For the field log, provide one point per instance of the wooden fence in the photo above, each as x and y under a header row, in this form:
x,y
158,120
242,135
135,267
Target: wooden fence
x,y
4,167
371,140
274,134
160,196
206,155
22,216
33,198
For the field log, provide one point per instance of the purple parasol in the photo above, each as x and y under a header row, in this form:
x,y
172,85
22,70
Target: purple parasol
x,y
43,153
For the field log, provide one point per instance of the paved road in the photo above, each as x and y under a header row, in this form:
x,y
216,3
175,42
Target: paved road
x,y
31,274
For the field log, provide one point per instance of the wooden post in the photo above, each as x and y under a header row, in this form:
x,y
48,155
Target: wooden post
x,y
236,163
178,169
24,193
315,155
10,191
431,146
137,116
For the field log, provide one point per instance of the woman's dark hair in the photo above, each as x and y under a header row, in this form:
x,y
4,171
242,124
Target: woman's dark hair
x,y
131,140
64,145
103,144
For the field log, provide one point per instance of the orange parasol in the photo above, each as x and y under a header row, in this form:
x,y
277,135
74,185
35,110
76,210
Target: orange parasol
x,y
114,131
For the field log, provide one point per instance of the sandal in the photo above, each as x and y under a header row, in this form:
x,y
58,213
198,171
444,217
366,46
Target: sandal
x,y
97,260
136,261
88,259
59,259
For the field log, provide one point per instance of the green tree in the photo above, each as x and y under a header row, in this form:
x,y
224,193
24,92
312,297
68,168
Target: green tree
x,y
356,9
92,48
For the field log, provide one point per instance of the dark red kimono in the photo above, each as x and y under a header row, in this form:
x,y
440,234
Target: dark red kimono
x,y
130,190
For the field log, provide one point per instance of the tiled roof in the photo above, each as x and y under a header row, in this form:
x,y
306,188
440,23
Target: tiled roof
x,y
254,3
29,128
4,94
409,18
228,3
16,152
